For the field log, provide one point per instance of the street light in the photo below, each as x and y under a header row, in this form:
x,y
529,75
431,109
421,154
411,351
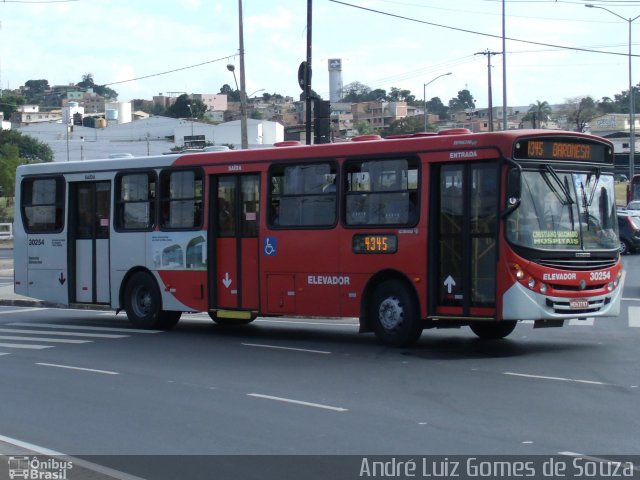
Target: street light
x,y
424,94
243,110
191,112
632,120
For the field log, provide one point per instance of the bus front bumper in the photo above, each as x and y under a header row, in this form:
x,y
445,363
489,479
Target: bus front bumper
x,y
520,303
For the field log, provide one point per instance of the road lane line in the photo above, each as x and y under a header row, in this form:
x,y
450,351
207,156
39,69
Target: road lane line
x,y
4,353
65,334
634,316
588,322
561,379
298,402
25,346
82,327
285,348
106,372
43,339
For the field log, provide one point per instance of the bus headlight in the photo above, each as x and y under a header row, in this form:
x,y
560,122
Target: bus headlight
x,y
531,283
543,288
610,286
519,273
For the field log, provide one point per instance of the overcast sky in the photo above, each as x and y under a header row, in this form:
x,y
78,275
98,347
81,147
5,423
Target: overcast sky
x,y
391,43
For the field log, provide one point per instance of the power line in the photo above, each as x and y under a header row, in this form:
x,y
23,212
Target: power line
x,y
169,71
473,32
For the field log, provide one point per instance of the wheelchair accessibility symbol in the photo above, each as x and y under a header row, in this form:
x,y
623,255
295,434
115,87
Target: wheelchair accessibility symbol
x,y
270,246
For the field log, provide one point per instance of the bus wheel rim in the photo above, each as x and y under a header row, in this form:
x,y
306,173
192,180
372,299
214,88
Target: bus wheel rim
x,y
391,313
142,301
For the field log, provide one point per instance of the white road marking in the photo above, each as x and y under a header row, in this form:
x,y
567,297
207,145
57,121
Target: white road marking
x,y
634,316
25,346
4,353
66,334
106,372
586,322
42,339
286,348
298,402
82,327
561,379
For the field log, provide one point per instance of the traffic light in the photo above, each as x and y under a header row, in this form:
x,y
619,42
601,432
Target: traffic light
x,y
321,121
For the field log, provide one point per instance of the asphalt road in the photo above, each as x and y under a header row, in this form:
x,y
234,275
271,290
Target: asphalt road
x,y
85,383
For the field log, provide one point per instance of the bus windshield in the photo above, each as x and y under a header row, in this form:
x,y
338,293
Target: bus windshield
x,y
565,211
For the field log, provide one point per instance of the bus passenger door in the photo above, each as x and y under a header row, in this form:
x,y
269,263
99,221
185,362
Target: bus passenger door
x,y
233,234
89,224
463,242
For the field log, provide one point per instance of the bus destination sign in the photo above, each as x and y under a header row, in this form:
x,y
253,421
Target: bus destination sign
x,y
559,149
375,243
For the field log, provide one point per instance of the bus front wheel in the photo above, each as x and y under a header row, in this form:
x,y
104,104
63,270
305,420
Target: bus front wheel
x,y
493,330
394,315
143,304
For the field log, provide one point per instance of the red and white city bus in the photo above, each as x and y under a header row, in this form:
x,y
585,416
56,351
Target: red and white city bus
x,y
423,231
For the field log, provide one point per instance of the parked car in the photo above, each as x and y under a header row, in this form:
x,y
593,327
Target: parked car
x,y
620,177
629,227
633,205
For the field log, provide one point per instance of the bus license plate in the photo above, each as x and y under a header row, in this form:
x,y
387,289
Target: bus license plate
x,y
578,304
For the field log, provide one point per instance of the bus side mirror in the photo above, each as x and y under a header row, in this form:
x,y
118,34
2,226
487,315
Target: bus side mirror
x,y
513,190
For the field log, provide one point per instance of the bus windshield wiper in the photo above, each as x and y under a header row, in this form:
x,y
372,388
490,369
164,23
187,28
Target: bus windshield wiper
x,y
564,190
595,186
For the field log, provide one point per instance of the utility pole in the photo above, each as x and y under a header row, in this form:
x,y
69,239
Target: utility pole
x,y
488,54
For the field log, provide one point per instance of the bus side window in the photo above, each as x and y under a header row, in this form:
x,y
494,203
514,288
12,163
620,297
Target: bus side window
x,y
382,192
181,193
303,195
135,201
42,204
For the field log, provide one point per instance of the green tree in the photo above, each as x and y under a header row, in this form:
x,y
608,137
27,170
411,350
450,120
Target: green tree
x,y
435,106
355,92
185,107
88,82
30,149
364,128
608,105
406,125
232,95
399,95
9,161
9,103
580,111
34,89
539,113
464,101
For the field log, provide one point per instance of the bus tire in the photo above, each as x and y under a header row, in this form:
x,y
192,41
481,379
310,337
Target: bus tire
x,y
394,315
143,304
493,330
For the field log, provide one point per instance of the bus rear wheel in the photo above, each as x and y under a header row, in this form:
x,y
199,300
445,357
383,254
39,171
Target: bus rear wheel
x,y
394,315
493,330
143,304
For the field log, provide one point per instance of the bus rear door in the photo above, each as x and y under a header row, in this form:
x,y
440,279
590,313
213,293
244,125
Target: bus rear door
x,y
233,234
89,242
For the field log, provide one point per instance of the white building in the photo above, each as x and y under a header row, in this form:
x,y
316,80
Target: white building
x,y
152,136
